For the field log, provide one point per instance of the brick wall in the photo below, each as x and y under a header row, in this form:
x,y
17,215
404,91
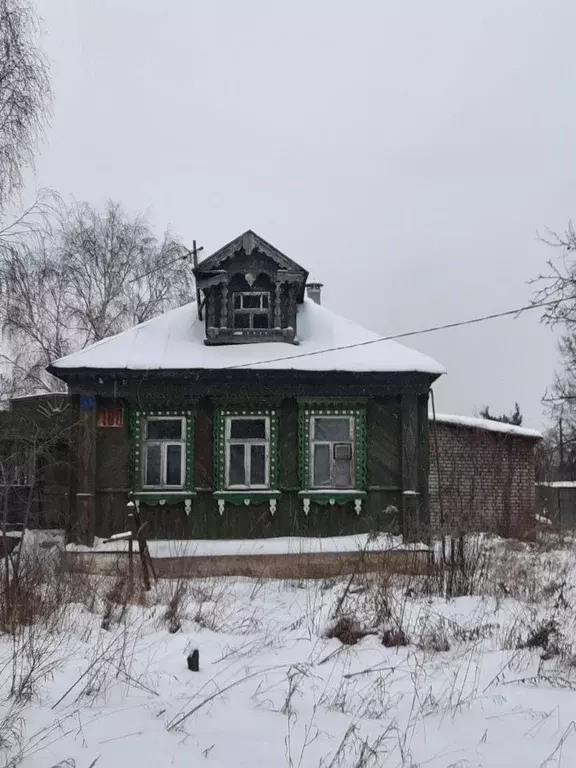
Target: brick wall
x,y
480,480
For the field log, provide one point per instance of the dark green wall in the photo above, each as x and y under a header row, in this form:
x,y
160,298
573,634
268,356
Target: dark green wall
x,y
384,483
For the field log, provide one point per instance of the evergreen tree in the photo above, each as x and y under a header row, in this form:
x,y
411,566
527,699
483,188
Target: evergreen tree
x,y
514,418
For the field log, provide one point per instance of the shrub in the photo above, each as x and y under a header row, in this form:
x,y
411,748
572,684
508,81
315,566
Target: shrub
x,y
394,637
347,630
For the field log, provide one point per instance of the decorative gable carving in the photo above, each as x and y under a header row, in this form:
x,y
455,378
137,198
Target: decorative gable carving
x,y
250,292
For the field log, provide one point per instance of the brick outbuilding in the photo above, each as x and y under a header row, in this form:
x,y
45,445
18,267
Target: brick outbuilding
x,y
482,475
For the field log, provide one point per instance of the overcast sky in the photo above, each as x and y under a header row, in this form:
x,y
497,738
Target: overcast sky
x,y
404,152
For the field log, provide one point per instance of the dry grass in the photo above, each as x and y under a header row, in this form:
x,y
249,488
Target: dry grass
x,y
176,605
398,607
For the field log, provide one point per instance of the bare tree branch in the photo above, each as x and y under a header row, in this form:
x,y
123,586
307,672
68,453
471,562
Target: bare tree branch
x,y
89,275
558,452
25,94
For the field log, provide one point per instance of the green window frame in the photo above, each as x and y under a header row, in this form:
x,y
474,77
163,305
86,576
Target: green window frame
x,y
236,447
144,442
324,435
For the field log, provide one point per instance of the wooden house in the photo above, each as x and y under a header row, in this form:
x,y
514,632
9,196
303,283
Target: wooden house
x,y
253,412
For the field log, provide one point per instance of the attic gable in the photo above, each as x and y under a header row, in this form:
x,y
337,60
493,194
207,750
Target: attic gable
x,y
247,243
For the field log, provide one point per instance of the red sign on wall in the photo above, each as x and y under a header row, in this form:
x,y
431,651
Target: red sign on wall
x,y
110,417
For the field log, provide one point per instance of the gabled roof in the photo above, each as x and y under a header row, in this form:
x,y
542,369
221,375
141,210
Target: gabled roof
x,y
175,341
249,241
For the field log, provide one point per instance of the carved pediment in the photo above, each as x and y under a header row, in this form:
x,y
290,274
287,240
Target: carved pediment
x,y
247,243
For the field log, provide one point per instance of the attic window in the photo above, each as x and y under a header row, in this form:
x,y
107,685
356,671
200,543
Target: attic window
x,y
251,310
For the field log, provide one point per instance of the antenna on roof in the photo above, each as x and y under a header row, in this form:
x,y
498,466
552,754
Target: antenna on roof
x,y
195,252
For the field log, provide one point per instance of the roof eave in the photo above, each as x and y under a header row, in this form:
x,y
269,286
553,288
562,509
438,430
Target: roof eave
x,y
88,372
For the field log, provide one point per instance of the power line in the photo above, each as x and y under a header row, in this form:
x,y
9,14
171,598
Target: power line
x,y
159,267
406,334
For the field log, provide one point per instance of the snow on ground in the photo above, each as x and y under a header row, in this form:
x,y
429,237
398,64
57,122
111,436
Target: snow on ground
x,y
282,545
272,690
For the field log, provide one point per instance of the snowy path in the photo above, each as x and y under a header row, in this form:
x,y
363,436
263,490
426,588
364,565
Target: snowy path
x,y
281,545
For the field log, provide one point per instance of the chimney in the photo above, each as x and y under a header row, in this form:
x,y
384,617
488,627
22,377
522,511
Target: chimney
x,y
314,291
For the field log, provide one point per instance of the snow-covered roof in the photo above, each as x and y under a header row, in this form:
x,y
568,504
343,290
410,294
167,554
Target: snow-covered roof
x,y
559,484
488,424
175,341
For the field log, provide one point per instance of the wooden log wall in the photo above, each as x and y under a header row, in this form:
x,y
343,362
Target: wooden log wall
x,y
396,462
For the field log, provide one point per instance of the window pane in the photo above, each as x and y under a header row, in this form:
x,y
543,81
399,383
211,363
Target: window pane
x,y
164,429
241,320
258,465
331,429
236,472
251,301
248,429
260,321
342,471
173,465
265,301
321,466
152,465
237,301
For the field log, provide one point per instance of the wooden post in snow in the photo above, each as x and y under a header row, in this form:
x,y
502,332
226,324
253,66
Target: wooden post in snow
x,y
137,527
137,534
131,565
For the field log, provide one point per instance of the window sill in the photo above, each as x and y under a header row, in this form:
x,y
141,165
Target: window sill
x,y
332,496
237,497
164,498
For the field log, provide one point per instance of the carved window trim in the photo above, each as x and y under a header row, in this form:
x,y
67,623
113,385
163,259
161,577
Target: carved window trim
x,y
163,446
308,411
244,496
333,446
138,424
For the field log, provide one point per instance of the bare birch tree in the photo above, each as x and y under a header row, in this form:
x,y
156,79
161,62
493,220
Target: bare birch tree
x,y
94,274
25,95
557,287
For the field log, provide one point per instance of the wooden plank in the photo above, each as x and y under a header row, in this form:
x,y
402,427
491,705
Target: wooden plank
x,y
383,441
410,461
203,445
86,469
423,460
